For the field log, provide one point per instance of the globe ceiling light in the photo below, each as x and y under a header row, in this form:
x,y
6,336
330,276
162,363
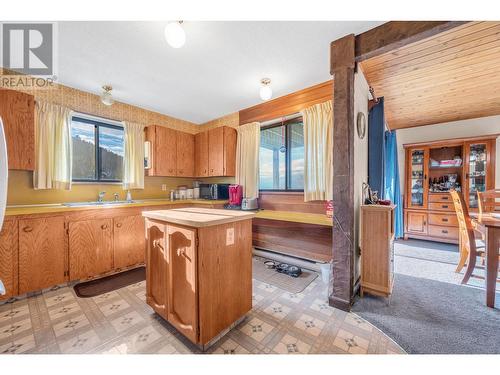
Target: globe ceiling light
x,y
266,92
106,97
175,34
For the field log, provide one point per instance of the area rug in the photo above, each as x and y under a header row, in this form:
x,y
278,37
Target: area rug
x,y
279,280
429,311
107,284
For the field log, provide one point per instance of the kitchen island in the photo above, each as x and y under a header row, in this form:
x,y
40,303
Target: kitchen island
x,y
199,269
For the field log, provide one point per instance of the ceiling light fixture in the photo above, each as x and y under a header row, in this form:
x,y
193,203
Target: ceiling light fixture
x,y
265,90
175,34
106,97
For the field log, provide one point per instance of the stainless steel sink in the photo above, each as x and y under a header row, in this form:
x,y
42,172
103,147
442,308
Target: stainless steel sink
x,y
96,203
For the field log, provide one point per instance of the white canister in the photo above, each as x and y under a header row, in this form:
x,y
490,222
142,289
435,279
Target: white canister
x,y
182,194
196,193
190,193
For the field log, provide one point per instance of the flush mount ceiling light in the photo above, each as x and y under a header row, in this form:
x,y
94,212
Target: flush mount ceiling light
x,y
265,90
106,97
175,34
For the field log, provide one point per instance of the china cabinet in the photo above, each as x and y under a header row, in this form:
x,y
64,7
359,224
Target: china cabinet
x,y
432,170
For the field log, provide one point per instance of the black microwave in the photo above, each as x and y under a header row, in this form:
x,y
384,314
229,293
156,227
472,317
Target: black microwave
x,y
214,191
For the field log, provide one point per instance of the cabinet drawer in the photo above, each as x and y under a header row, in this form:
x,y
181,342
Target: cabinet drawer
x,y
448,220
445,232
440,197
441,206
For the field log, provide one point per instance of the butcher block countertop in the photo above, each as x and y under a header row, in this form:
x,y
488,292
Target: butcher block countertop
x,y
198,217
295,217
60,207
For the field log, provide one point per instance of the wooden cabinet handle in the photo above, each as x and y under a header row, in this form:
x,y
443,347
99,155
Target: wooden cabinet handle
x,y
27,229
104,226
118,225
444,198
444,231
445,206
445,220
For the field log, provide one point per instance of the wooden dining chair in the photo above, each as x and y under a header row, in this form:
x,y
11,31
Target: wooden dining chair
x,y
488,201
470,247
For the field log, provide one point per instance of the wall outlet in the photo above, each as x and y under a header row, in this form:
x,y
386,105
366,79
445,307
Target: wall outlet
x,y
163,187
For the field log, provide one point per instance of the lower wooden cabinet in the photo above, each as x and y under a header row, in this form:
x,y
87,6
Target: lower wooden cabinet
x,y
157,269
182,289
128,241
9,258
90,248
42,250
416,222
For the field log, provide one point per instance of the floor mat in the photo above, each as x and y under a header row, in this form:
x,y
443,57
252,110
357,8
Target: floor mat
x,y
279,280
107,284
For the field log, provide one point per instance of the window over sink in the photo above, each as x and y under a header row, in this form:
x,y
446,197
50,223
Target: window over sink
x,y
281,156
98,150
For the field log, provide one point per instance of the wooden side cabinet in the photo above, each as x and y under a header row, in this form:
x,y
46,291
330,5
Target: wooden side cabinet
x,y
157,267
17,110
42,249
128,241
163,151
201,154
185,154
9,258
377,249
90,248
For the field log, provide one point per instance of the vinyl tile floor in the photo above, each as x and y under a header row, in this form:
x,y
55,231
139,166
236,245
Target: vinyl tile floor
x,y
120,322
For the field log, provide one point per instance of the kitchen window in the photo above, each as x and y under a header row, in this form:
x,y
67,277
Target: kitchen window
x,y
281,156
98,149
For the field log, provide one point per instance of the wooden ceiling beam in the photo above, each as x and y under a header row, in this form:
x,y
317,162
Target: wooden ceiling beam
x,y
396,34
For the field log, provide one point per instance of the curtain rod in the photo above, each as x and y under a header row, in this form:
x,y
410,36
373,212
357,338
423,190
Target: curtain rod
x,y
280,119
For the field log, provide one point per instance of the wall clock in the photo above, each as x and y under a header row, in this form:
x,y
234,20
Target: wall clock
x,y
361,125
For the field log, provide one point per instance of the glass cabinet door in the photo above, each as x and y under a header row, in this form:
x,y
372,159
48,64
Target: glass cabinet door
x,y
417,179
476,178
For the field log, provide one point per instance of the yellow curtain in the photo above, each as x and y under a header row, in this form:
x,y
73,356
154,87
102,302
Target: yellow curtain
x,y
53,147
247,159
318,151
133,161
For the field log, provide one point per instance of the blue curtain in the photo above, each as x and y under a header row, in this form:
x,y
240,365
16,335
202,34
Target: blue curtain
x,y
376,148
391,183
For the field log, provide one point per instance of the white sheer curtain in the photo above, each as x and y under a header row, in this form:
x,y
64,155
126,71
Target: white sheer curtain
x,y
247,159
318,151
53,147
133,161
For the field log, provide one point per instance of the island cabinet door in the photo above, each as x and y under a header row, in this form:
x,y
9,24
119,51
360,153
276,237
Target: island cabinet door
x,y
156,267
182,288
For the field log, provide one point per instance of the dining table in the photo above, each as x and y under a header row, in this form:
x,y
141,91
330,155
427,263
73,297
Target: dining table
x,y
489,225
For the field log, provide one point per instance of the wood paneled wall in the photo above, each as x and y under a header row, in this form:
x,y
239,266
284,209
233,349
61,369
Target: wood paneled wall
x,y
289,201
288,104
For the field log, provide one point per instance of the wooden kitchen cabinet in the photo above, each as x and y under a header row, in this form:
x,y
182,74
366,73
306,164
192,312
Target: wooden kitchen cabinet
x,y
182,289
90,248
17,110
185,154
201,154
163,151
416,222
42,250
221,151
129,241
9,258
157,267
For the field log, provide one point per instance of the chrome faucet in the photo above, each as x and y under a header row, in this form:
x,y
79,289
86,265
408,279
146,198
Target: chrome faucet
x,y
117,197
101,196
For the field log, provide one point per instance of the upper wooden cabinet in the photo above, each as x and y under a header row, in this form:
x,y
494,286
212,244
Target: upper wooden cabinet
x,y
221,152
9,258
17,110
201,154
163,151
185,154
128,241
42,249
90,248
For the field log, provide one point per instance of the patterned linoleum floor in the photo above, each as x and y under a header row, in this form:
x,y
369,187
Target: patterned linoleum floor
x,y
120,322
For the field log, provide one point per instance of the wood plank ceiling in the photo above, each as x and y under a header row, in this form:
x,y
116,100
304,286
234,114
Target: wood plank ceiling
x,y
452,76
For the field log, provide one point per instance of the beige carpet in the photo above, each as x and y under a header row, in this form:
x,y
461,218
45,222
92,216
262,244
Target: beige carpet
x,y
279,280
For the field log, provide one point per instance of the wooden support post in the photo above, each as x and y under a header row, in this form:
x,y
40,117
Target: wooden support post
x,y
342,64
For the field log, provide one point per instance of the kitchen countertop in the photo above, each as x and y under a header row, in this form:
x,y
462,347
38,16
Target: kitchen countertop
x,y
60,207
296,217
198,217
